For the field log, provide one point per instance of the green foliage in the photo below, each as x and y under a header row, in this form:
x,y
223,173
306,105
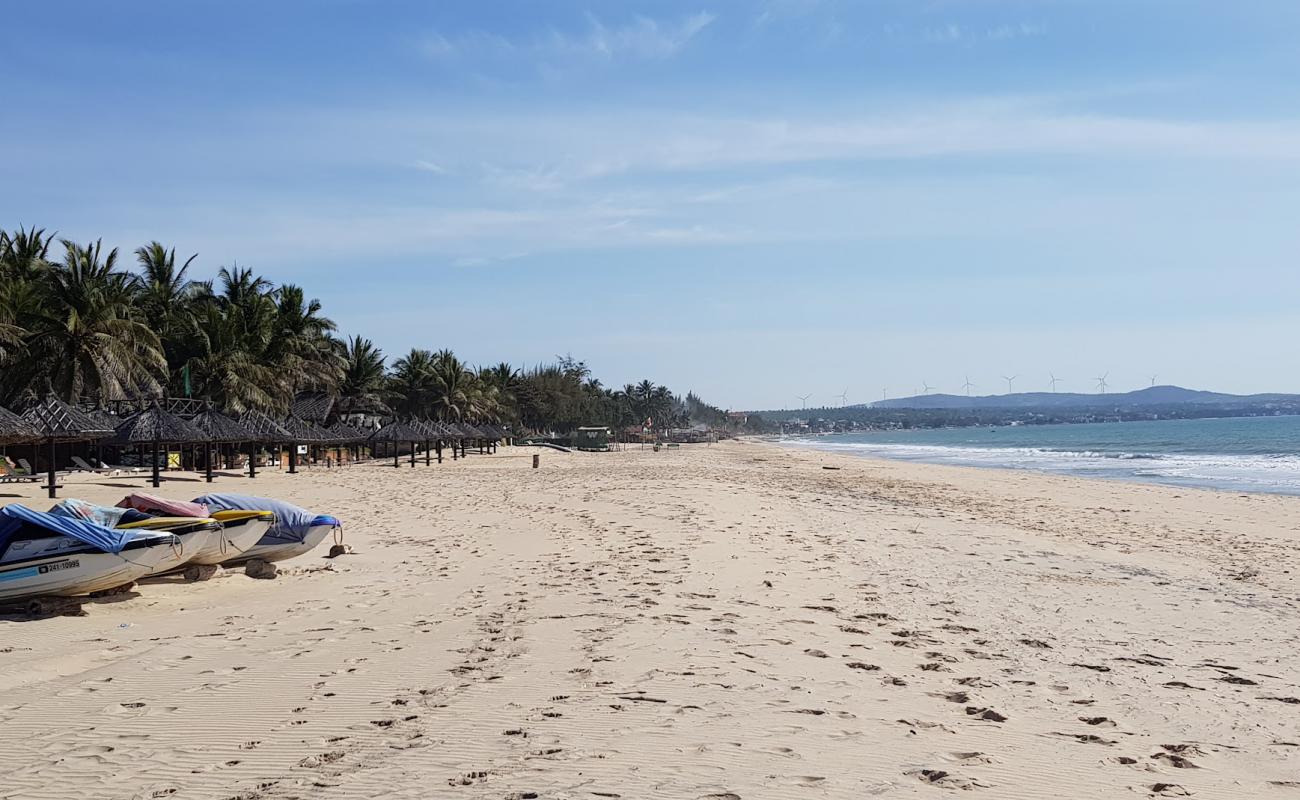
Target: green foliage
x,y
91,331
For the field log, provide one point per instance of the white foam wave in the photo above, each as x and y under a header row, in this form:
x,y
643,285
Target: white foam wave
x,y
1273,473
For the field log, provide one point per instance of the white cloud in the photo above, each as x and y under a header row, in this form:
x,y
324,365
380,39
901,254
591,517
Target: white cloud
x,y
429,166
643,38
1020,31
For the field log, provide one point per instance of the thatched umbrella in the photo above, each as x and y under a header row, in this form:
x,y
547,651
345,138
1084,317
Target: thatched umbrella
x,y
263,430
16,430
341,435
56,421
396,432
300,432
219,429
154,426
429,431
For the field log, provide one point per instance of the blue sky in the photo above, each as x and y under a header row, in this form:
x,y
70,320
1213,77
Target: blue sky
x,y
751,200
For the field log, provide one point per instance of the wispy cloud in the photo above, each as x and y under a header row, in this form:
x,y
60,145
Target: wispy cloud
x,y
430,166
641,38
952,33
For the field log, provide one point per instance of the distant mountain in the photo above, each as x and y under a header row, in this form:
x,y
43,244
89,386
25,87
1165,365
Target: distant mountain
x,y
1153,396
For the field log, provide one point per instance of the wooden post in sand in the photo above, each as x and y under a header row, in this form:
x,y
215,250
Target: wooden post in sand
x,y
537,460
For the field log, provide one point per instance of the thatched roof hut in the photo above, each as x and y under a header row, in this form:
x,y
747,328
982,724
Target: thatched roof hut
x,y
300,431
396,433
220,428
428,430
263,429
155,424
343,433
16,430
313,407
56,420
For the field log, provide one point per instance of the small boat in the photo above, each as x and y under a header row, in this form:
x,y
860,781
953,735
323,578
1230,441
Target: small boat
x,y
296,530
240,530
48,554
198,536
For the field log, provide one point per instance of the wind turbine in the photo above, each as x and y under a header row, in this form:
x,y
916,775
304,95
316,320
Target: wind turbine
x,y
1153,381
1101,382
926,388
1055,380
844,397
1009,379
804,399
884,394
968,386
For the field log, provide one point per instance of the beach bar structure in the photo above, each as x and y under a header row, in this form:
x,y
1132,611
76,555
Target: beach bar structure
x,y
55,421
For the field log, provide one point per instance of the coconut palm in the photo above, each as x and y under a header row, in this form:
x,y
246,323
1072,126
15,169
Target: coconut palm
x,y
166,296
87,340
303,348
454,388
411,383
228,368
361,386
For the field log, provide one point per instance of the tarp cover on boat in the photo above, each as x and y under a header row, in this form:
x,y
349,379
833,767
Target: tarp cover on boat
x,y
291,522
80,509
160,505
13,517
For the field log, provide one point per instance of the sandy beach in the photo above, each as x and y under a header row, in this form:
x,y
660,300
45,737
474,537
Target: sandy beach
x,y
729,621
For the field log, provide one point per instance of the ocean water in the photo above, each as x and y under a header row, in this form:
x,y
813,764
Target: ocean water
x,y
1255,454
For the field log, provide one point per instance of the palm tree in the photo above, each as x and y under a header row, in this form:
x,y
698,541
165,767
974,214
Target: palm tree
x,y
87,338
166,297
303,348
411,383
226,370
362,383
453,387
237,324
24,254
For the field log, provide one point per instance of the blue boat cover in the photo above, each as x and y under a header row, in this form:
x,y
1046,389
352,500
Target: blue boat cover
x,y
14,516
291,522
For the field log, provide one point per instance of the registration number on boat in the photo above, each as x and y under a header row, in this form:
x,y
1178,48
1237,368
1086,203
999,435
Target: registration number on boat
x,y
58,565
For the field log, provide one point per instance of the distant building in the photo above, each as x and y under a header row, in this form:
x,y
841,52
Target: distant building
x,y
592,439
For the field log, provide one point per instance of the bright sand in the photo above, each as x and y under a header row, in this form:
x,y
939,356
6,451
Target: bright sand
x,y
726,621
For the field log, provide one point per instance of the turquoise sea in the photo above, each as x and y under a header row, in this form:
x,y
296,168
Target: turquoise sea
x,y
1255,454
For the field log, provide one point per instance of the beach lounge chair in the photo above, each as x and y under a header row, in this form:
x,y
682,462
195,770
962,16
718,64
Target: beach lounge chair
x,y
84,466
114,469
10,475
27,468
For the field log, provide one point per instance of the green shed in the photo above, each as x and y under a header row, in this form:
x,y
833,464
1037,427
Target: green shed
x,y
591,439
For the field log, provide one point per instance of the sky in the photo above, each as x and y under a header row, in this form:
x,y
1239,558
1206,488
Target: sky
x,y
752,200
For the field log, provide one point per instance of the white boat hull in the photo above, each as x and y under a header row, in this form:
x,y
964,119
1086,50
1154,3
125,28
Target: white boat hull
x,y
279,551
65,567
192,542
229,542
